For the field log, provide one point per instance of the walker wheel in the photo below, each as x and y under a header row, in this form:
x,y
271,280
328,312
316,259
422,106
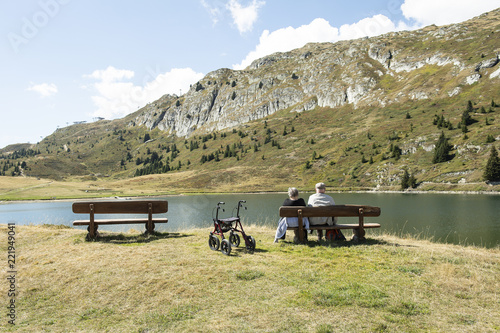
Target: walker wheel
x,y
213,242
225,247
234,239
251,246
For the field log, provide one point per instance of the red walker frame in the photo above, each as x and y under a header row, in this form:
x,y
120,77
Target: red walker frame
x,y
226,225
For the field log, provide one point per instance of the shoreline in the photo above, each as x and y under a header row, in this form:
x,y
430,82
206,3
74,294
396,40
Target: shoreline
x,y
15,189
259,192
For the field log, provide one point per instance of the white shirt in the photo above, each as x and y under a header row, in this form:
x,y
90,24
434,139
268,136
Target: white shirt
x,y
321,199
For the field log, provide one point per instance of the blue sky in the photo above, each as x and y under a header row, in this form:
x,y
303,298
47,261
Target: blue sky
x,y
63,61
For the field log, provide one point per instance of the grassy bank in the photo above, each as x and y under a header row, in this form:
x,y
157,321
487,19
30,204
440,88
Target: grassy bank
x,y
28,188
173,282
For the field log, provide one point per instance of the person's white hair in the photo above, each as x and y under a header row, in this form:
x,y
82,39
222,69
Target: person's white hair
x,y
293,192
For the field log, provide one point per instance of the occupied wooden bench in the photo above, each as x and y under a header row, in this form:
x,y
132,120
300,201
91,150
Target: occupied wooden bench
x,y
359,211
148,207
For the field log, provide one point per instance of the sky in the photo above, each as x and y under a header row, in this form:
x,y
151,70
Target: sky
x,y
65,61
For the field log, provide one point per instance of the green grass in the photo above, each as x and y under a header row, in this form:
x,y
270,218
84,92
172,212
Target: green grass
x,y
173,282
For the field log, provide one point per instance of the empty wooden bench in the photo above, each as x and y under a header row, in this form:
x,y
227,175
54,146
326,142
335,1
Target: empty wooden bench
x,y
92,208
359,211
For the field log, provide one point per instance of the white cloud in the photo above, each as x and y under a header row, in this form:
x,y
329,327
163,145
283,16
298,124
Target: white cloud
x,y
370,27
117,96
286,39
44,89
244,17
319,30
111,74
442,12
214,11
419,13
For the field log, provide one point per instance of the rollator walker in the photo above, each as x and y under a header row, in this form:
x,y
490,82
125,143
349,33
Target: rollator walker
x,y
231,225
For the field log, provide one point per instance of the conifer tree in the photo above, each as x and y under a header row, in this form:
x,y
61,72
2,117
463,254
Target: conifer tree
x,y
405,180
412,181
466,117
442,150
492,170
470,108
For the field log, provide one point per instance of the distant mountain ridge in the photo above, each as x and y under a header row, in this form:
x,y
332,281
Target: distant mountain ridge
x,y
375,71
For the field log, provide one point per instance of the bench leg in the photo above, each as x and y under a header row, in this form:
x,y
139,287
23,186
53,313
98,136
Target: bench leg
x,y
302,233
92,226
358,234
92,233
150,228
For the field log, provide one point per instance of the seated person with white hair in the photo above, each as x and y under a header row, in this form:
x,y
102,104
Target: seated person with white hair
x,y
292,200
321,199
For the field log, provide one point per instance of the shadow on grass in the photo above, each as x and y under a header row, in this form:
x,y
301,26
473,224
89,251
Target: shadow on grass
x,y
134,239
242,250
346,243
350,243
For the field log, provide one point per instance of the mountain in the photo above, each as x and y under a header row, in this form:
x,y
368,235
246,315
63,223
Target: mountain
x,y
354,114
432,63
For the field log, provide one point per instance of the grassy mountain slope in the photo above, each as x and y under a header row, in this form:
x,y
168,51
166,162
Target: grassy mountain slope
x,y
364,144
335,146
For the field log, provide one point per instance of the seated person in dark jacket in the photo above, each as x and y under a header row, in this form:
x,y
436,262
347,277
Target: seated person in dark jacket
x,y
292,200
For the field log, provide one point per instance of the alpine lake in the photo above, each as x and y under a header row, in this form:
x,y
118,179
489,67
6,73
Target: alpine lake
x,y
464,219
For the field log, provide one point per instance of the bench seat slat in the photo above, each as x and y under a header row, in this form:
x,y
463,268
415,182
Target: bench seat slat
x,y
121,207
337,210
338,226
118,221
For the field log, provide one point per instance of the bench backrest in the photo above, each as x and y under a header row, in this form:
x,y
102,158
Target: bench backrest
x,y
337,210
121,207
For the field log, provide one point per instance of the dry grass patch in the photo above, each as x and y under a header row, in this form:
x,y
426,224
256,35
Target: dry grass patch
x,y
173,282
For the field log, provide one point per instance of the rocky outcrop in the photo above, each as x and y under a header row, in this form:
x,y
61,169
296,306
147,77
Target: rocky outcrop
x,y
365,72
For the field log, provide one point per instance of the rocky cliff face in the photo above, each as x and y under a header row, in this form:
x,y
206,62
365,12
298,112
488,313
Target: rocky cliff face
x,y
434,62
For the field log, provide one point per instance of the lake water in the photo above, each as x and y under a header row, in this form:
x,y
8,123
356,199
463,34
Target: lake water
x,y
464,219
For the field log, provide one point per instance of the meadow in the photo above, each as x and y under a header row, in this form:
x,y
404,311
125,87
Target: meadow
x,y
173,282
